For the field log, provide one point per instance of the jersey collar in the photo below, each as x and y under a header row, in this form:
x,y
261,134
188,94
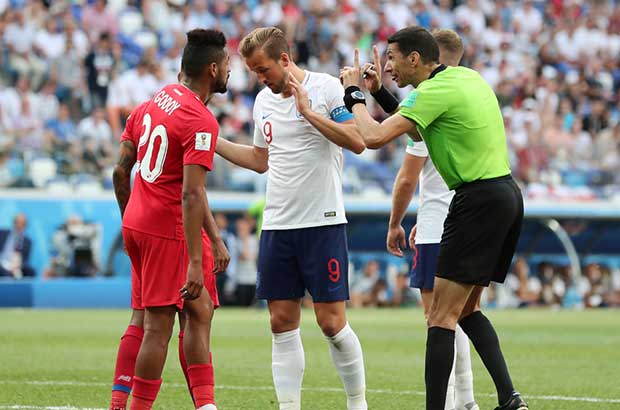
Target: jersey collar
x,y
439,69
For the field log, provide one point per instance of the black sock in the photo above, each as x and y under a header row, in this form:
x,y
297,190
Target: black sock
x,y
439,358
482,334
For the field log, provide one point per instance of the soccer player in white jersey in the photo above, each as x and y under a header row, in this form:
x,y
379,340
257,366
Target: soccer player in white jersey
x,y
425,236
301,126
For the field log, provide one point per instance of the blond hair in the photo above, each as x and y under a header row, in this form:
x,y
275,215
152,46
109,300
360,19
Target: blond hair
x,y
270,39
449,41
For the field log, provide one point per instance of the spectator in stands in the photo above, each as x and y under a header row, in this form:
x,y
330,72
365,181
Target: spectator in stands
x,y
247,253
363,287
225,280
19,37
99,65
15,247
98,19
76,250
527,289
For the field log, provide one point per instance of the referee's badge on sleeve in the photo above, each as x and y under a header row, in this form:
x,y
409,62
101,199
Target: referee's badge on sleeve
x,y
203,141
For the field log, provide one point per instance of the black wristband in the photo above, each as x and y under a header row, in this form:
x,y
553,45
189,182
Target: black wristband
x,y
386,100
353,95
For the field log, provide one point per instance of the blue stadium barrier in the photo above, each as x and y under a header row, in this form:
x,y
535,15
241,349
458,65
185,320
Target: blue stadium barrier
x,y
596,242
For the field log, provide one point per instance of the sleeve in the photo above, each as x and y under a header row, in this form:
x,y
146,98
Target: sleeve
x,y
417,149
423,106
130,128
199,143
259,138
334,96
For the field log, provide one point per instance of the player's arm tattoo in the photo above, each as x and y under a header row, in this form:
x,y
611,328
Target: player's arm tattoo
x,y
122,174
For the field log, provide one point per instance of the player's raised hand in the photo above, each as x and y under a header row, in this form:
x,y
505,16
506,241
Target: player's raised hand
x,y
301,95
396,240
412,234
194,283
221,257
371,72
351,75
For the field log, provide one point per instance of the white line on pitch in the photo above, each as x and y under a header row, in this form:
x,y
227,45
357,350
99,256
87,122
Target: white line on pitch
x,y
264,388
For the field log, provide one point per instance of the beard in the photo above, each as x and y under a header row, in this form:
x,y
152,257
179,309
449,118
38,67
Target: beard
x,y
278,88
221,84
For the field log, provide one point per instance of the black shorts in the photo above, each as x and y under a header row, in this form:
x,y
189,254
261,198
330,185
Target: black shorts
x,y
481,232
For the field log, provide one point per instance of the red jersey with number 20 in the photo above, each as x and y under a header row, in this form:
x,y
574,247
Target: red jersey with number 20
x,y
171,130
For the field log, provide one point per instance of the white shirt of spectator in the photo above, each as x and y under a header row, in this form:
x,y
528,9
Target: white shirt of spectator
x,y
435,199
304,185
20,37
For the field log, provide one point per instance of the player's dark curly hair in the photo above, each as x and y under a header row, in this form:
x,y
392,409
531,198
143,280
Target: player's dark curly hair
x,y
203,48
419,39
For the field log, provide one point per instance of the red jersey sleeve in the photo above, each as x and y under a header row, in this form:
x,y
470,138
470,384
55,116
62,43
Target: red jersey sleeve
x,y
131,127
199,142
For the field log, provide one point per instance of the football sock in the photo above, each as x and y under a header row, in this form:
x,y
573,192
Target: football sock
x,y
346,353
125,366
464,375
449,405
485,340
183,362
439,361
201,381
144,393
287,364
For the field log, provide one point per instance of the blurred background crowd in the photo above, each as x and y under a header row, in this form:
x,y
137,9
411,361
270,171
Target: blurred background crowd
x,y
71,71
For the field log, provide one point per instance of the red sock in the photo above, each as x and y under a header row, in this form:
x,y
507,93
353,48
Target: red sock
x,y
183,361
125,366
144,393
201,380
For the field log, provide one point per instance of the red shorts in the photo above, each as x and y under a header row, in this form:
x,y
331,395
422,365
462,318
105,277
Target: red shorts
x,y
159,269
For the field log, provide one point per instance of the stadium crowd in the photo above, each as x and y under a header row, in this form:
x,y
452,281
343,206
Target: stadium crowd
x,y
72,70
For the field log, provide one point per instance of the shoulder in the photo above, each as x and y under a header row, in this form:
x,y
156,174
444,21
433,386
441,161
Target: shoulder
x,y
322,80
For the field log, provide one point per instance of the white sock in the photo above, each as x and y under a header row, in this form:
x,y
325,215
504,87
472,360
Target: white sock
x,y
346,353
450,392
464,375
287,365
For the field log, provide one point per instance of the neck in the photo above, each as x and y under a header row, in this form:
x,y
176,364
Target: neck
x,y
299,75
202,91
425,73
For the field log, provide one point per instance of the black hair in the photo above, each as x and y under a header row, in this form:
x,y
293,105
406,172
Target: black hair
x,y
419,39
203,47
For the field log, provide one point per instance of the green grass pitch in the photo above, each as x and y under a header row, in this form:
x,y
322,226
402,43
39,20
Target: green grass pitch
x,y
64,359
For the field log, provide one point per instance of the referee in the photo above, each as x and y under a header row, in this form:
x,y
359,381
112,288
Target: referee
x,y
457,115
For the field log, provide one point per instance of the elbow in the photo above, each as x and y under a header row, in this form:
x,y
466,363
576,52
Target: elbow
x,y
358,147
118,174
262,168
193,196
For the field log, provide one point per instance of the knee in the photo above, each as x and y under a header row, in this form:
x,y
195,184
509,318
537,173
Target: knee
x,y
331,325
157,335
283,322
440,316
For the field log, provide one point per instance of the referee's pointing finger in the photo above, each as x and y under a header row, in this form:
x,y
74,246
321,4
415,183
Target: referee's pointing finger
x,y
356,59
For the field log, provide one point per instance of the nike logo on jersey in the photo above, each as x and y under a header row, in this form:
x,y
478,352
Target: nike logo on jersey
x,y
265,116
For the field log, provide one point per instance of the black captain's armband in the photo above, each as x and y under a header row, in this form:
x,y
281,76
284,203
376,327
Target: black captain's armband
x,y
386,100
353,95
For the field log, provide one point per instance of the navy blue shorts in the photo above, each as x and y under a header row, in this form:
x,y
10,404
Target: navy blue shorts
x,y
291,261
424,266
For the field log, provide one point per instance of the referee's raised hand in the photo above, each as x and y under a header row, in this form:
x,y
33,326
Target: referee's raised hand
x,y
396,240
371,72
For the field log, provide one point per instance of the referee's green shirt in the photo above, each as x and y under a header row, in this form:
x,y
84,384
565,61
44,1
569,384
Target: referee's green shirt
x,y
458,116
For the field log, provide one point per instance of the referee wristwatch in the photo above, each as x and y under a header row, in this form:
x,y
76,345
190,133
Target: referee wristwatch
x,y
353,95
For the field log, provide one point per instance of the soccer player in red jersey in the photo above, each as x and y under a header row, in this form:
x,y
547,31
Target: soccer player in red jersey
x,y
172,137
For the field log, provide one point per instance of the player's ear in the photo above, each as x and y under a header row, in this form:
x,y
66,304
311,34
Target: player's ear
x,y
414,58
285,59
213,69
